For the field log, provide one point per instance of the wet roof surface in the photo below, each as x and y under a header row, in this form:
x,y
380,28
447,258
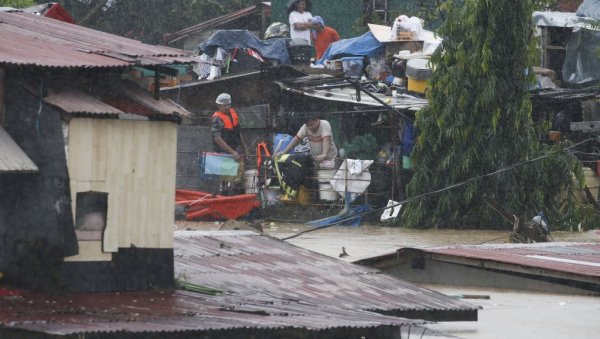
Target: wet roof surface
x,y
171,311
567,261
247,263
34,40
117,99
266,283
576,258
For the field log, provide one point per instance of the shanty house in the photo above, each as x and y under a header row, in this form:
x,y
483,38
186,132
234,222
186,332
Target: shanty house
x,y
87,159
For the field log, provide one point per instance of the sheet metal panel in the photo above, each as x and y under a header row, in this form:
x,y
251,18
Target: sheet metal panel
x,y
268,284
348,95
123,99
28,39
246,263
574,258
12,157
173,311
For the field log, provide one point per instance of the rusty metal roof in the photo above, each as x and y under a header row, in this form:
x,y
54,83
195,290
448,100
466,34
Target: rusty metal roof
x,y
116,99
173,312
268,285
34,40
215,22
12,157
577,262
249,264
578,259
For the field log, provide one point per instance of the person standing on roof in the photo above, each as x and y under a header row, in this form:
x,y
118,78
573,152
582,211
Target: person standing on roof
x,y
323,36
225,128
300,20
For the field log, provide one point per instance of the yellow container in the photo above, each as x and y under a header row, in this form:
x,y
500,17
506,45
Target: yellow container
x,y
304,195
417,86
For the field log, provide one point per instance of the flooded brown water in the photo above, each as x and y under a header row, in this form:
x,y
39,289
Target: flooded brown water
x,y
507,314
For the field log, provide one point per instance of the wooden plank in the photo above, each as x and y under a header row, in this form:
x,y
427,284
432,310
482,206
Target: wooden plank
x,y
90,251
585,126
134,162
12,157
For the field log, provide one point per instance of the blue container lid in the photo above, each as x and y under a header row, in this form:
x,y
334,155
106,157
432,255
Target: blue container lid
x,y
351,58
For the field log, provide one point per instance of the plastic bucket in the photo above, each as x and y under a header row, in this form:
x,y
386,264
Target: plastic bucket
x,y
280,142
326,191
251,181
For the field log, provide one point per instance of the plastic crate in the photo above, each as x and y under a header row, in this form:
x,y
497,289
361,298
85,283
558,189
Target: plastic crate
x,y
300,54
218,166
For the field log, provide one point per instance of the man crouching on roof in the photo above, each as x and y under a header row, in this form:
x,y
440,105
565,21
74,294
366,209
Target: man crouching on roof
x,y
320,138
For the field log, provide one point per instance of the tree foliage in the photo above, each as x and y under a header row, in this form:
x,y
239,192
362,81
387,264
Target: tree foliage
x,y
17,3
148,20
479,121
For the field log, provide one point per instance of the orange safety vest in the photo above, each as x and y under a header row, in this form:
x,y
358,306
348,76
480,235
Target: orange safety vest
x,y
231,130
227,120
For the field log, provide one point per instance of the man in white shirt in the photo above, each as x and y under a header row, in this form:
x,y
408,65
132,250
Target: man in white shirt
x,y
300,21
320,139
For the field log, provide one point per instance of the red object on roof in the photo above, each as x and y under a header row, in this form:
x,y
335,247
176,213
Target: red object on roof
x,y
58,12
215,207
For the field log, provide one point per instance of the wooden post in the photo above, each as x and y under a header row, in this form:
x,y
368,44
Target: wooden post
x,y
2,89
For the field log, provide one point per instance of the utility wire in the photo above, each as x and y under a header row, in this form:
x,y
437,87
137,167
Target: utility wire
x,y
427,194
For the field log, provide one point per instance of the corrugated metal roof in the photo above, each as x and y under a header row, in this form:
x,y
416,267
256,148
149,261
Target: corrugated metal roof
x,y
568,262
173,311
348,94
578,259
268,284
115,99
77,101
249,264
34,40
12,157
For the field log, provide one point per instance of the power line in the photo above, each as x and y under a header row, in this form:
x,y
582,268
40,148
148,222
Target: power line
x,y
427,194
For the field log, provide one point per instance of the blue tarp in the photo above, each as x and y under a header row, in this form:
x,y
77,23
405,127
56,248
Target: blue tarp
x,y
365,44
229,39
590,9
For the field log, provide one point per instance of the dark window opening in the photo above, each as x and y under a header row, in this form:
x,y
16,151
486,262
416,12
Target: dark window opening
x,y
90,215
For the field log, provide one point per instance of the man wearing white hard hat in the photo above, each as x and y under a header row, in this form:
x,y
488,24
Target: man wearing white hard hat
x,y
225,129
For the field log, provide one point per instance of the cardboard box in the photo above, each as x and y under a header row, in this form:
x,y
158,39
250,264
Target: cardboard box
x,y
393,46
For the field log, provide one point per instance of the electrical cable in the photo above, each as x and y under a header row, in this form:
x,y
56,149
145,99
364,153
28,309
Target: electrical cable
x,y
427,194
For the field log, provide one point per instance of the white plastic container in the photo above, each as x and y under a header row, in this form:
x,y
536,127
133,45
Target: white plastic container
x,y
326,191
251,181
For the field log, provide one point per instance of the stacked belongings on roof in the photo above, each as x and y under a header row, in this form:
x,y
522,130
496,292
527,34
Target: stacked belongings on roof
x,y
236,51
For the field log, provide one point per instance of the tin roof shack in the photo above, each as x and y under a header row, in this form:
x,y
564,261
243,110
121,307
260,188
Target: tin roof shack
x,y
572,268
189,38
569,41
98,214
239,284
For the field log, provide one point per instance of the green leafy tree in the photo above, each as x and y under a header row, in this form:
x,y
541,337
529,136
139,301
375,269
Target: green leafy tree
x,y
479,121
17,3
